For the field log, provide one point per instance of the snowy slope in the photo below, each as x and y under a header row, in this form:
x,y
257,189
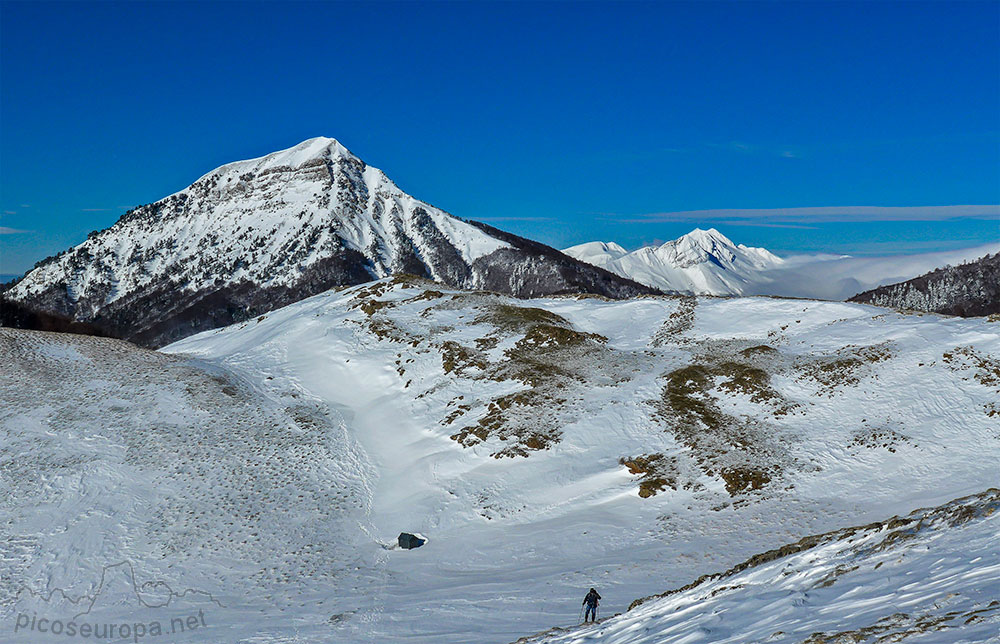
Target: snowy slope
x,y
255,235
603,254
140,487
542,446
499,430
708,263
932,576
703,262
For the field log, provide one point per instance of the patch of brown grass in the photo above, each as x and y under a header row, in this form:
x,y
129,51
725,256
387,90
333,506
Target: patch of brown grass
x,y
508,318
657,473
985,368
548,358
844,368
677,323
514,419
740,450
758,350
457,358
878,437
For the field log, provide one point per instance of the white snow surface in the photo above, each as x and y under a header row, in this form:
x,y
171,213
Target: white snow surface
x,y
935,579
262,220
602,254
706,262
273,463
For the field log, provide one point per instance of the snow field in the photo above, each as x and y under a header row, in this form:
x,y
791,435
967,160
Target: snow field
x,y
515,540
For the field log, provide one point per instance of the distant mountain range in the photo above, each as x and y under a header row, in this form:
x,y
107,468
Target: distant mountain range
x,y
968,289
252,236
668,439
706,262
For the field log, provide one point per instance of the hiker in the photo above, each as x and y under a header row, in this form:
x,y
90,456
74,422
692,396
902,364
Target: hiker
x,y
591,601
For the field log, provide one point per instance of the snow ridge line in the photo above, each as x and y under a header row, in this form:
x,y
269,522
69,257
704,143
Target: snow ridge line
x,y
956,512
988,499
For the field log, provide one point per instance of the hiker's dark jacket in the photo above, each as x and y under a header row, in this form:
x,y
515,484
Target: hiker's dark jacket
x,y
592,598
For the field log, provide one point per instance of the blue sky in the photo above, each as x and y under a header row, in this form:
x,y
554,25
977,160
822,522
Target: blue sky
x,y
564,122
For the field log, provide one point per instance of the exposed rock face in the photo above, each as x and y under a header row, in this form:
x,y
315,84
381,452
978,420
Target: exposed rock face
x,y
252,236
967,290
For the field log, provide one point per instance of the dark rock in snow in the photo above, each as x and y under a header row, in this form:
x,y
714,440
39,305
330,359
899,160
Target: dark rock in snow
x,y
409,541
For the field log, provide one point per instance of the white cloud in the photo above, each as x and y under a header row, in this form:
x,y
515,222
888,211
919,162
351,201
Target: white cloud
x,y
4,230
822,214
513,219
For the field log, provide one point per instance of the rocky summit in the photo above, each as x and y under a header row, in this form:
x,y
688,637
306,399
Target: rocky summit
x,y
255,235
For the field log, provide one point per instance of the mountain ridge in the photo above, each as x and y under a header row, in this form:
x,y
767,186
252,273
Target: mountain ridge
x,y
706,262
969,289
666,437
832,570
655,425
255,235
702,262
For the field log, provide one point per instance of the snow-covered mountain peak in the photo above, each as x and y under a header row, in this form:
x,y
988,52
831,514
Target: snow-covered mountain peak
x,y
316,147
706,262
597,253
310,152
257,234
702,261
705,238
612,247
700,246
